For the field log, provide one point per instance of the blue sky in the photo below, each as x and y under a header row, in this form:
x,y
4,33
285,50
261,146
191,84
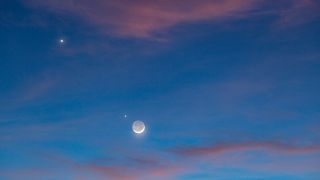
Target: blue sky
x,y
226,89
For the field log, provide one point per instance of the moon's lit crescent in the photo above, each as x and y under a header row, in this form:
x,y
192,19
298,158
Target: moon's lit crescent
x,y
138,127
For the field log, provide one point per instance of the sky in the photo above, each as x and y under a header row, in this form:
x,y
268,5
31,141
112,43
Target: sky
x,y
227,89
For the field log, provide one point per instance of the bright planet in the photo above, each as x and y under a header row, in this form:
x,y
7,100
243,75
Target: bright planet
x,y
138,127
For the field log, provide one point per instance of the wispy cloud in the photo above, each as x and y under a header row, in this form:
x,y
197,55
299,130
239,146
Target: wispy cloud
x,y
135,167
268,146
176,162
145,19
25,173
299,12
30,90
278,158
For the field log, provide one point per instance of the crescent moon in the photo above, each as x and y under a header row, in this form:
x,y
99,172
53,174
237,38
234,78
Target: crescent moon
x,y
138,127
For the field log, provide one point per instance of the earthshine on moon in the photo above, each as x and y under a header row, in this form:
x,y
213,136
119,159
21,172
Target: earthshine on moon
x,y
138,127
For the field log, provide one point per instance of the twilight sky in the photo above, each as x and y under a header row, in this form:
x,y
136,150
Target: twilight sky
x,y
227,89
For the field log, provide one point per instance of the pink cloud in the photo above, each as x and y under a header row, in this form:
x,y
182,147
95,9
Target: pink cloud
x,y
226,155
268,146
282,158
37,89
141,167
143,18
278,158
23,173
31,90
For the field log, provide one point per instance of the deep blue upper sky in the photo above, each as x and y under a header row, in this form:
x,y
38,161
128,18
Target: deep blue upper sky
x,y
227,89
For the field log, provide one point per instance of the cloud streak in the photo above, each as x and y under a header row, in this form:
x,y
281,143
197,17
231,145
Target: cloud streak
x,y
231,147
145,19
301,11
278,158
133,167
282,158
